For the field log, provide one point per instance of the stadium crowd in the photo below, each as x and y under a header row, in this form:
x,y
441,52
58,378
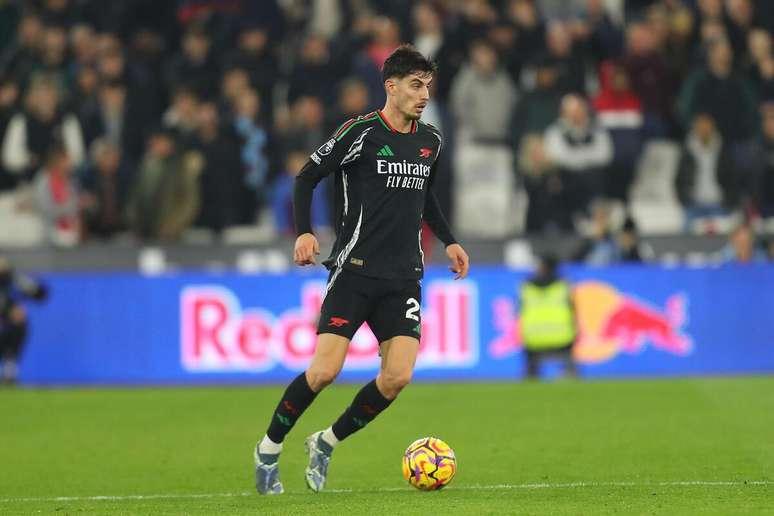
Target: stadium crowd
x,y
150,118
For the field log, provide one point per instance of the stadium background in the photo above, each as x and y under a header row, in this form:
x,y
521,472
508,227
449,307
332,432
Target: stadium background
x,y
148,150
180,126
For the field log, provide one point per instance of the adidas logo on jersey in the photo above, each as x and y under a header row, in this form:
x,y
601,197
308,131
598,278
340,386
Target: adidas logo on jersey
x,y
385,151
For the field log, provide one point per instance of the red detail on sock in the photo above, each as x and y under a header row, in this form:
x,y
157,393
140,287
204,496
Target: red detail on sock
x,y
289,406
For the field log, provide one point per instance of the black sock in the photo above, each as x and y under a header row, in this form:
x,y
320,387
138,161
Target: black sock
x,y
298,396
368,403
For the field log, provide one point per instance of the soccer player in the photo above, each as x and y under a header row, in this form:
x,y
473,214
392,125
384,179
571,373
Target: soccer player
x,y
384,165
13,317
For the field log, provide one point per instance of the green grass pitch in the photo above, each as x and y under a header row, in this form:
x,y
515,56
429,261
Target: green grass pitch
x,y
693,446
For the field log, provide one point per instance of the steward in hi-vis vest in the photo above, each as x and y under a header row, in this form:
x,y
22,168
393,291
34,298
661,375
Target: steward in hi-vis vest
x,y
547,316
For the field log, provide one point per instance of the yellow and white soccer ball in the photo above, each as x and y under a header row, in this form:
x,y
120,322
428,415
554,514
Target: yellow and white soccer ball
x,y
429,464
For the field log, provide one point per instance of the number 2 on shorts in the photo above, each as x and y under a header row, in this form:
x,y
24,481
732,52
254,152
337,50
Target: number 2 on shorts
x,y
413,310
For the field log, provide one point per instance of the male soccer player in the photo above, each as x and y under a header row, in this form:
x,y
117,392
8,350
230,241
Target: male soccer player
x,y
384,165
13,317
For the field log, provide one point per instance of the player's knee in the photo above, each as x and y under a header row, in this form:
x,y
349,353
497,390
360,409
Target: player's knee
x,y
394,382
321,377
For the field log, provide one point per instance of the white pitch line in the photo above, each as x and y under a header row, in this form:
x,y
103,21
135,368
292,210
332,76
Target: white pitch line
x,y
566,485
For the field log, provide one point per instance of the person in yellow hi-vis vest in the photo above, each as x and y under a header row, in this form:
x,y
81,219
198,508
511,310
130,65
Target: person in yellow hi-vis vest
x,y
548,325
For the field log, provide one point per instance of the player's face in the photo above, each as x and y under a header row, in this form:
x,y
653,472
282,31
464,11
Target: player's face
x,y
412,94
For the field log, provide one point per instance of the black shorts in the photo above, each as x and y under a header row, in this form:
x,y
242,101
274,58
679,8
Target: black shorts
x,y
390,307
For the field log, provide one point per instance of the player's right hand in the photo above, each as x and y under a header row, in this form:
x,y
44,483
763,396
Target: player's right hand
x,y
306,249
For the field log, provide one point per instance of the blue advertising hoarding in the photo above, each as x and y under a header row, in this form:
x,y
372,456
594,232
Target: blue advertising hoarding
x,y
190,328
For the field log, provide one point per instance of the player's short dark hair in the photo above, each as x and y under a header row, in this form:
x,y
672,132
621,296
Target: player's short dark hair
x,y
406,60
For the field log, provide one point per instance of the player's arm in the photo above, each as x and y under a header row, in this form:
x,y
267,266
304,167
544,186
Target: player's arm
x,y
434,217
323,162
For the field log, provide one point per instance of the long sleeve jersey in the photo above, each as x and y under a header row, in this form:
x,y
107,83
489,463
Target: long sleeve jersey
x,y
383,192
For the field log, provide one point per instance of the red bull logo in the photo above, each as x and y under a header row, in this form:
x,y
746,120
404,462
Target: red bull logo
x,y
609,322
218,334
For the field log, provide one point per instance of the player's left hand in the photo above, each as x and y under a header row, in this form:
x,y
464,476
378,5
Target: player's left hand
x,y
459,260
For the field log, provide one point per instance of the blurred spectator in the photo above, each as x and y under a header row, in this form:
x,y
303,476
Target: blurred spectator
x,y
83,42
195,66
255,163
539,107
484,158
146,52
530,27
9,96
326,17
476,17
547,319
30,132
19,59
678,45
385,37
706,183
282,197
650,80
600,248
562,9
710,31
14,287
764,164
581,149
620,112
85,96
722,93
9,19
165,197
254,54
709,10
502,36
567,57
221,182
740,22
352,102
742,247
596,26
428,28
143,85
104,183
182,115
115,119
51,61
547,208
672,24
315,74
478,82
760,66
60,12
234,83
58,199
631,248
111,61
306,125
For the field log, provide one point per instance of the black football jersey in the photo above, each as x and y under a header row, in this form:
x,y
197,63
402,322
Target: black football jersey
x,y
382,193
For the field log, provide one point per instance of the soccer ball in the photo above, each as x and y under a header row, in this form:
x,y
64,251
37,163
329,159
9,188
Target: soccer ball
x,y
429,464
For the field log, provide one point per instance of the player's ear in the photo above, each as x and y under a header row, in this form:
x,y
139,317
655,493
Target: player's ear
x,y
389,86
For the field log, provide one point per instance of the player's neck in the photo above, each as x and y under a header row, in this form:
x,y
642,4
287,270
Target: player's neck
x,y
396,119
